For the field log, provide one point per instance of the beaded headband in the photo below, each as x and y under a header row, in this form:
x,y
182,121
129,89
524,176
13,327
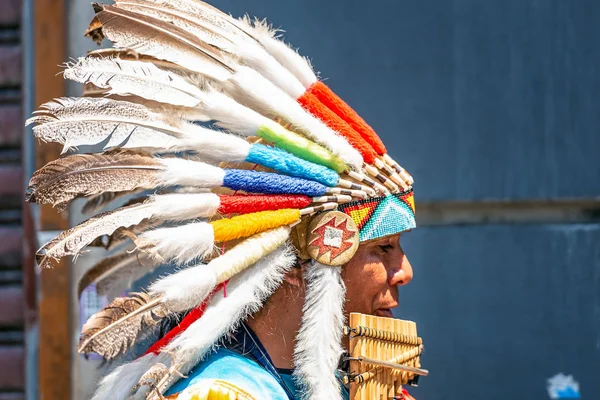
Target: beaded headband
x,y
382,216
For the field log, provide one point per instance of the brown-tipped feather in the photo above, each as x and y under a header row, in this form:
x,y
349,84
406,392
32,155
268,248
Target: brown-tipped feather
x,y
121,235
72,241
114,330
215,18
201,28
113,275
154,37
60,181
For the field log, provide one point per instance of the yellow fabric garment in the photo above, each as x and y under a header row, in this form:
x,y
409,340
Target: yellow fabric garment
x,y
213,389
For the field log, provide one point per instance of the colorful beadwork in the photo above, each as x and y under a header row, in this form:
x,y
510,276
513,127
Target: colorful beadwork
x,y
382,216
333,238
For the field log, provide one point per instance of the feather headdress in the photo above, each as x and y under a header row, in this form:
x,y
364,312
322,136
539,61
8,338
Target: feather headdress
x,y
234,150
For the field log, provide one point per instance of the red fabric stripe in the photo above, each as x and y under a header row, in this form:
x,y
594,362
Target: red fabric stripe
x,y
346,113
314,106
192,316
246,204
189,319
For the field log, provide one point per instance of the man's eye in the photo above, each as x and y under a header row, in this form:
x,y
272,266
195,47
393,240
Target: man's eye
x,y
386,247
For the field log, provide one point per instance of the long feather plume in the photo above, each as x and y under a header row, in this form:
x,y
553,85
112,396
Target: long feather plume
x,y
217,19
202,28
228,113
125,77
114,329
89,121
246,293
60,181
72,241
160,39
221,31
116,273
168,207
253,90
318,344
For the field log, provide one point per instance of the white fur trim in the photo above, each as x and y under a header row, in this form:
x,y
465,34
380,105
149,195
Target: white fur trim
x,y
318,344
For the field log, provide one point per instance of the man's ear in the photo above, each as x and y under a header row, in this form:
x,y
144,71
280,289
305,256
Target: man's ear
x,y
294,276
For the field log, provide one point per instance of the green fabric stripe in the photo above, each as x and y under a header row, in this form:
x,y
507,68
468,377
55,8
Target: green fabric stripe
x,y
300,146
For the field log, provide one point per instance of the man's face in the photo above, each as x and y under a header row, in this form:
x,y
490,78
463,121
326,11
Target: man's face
x,y
373,275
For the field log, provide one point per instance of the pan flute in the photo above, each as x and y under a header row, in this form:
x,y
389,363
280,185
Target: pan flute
x,y
384,355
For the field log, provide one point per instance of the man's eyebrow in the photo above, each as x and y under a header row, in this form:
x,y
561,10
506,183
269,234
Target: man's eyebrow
x,y
377,241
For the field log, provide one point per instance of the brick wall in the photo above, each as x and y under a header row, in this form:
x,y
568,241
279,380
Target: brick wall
x,y
12,312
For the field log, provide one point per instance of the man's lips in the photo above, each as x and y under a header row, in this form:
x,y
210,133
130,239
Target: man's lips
x,y
384,312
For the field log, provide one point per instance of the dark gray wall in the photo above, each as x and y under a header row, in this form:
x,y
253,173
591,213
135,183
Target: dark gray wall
x,y
493,99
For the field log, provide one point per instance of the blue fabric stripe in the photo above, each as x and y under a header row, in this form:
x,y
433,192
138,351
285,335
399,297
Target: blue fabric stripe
x,y
270,183
289,164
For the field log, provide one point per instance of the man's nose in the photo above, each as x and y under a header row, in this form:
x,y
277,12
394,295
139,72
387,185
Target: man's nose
x,y
402,273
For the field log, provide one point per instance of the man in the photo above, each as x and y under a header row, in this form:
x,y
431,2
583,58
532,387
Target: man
x,y
283,216
259,357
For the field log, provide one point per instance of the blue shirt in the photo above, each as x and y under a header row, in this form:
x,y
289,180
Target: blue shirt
x,y
244,362
243,372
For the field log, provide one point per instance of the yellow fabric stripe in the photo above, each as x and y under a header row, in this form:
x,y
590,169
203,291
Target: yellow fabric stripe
x,y
243,226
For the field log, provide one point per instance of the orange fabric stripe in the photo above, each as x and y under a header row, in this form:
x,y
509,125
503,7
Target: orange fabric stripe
x,y
327,97
314,106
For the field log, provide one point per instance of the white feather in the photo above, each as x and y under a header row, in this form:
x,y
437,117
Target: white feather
x,y
126,77
185,206
182,243
285,55
245,294
191,173
188,288
253,90
219,21
118,383
161,40
248,51
230,114
170,12
318,344
89,121
215,145
257,58
75,239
